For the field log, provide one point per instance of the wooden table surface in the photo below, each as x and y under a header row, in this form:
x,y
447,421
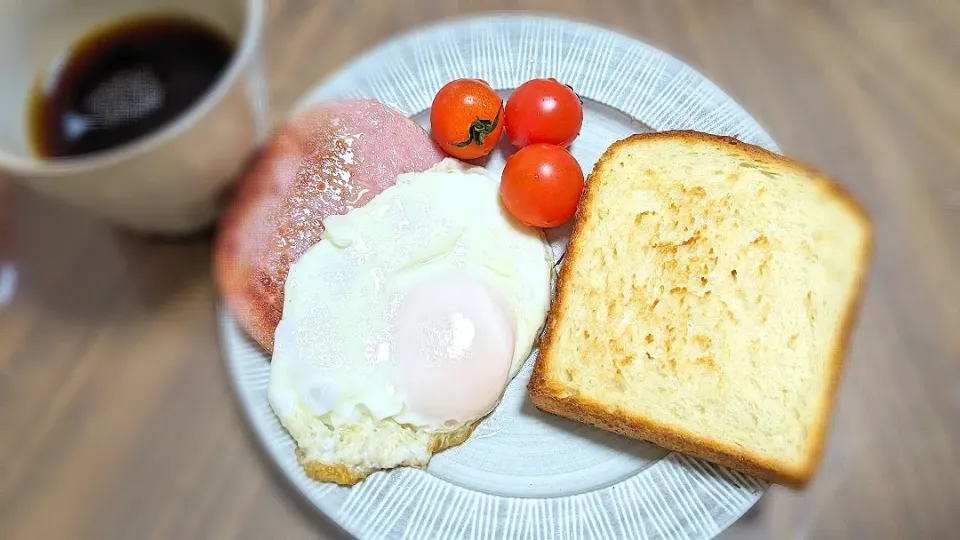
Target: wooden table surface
x,y
116,417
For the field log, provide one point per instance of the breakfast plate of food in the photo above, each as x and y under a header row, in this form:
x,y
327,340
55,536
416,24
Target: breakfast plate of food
x,y
518,277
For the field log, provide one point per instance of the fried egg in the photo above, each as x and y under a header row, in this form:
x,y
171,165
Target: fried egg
x,y
403,326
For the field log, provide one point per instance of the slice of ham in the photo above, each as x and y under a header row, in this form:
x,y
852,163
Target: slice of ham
x,y
327,160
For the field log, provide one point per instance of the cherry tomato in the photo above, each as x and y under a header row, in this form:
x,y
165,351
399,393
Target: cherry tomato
x,y
543,111
467,118
541,185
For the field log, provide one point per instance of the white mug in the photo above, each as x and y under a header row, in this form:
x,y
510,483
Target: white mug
x,y
170,181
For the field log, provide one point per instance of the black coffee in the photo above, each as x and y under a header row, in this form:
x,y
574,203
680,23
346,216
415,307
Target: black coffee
x,y
124,81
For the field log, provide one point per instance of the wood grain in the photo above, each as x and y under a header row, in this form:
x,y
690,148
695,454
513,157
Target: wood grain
x,y
116,418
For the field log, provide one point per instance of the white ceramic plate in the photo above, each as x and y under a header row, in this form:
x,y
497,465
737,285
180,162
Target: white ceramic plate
x,y
525,474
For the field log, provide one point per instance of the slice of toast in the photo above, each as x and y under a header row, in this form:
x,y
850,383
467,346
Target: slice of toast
x,y
705,302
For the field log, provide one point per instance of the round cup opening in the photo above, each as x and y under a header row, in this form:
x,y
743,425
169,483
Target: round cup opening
x,y
40,38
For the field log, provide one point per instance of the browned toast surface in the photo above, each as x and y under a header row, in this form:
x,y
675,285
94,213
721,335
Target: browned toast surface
x,y
705,302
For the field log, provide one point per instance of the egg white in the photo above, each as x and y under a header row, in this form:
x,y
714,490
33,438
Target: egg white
x,y
329,380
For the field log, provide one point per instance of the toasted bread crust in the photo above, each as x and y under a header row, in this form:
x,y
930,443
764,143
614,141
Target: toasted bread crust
x,y
345,475
591,412
548,395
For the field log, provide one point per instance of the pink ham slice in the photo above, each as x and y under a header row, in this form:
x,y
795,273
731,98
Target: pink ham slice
x,y
329,159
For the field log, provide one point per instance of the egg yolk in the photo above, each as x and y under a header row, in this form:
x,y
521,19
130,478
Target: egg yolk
x,y
453,348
